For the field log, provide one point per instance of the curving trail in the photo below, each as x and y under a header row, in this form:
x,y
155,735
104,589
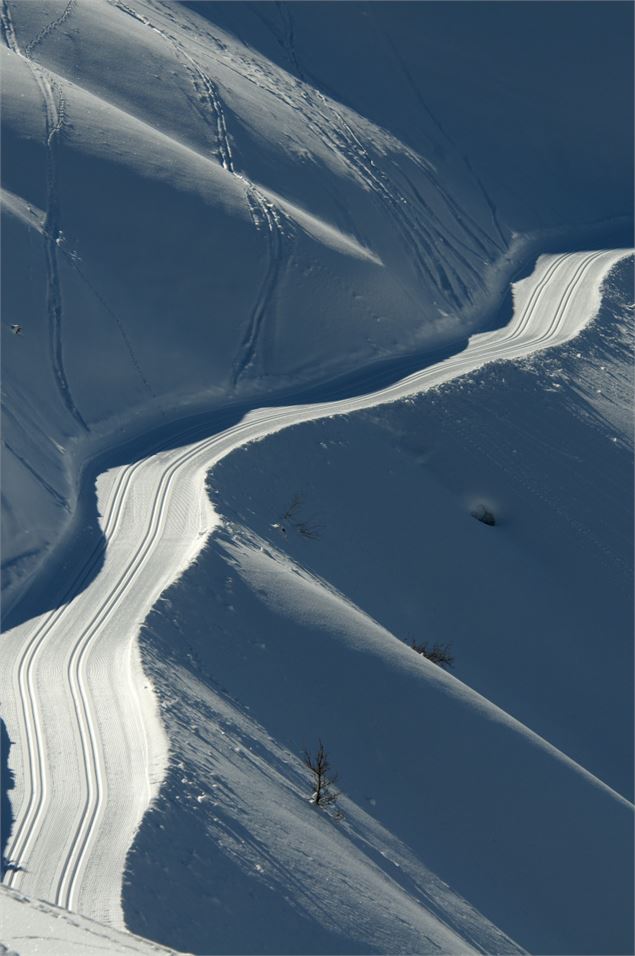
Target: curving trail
x,y
89,750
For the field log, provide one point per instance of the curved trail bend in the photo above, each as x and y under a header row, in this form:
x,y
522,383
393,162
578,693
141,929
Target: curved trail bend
x,y
89,750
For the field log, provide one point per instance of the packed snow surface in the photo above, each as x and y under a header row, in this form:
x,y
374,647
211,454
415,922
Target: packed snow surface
x,y
190,215
220,221
89,747
342,541
35,928
183,221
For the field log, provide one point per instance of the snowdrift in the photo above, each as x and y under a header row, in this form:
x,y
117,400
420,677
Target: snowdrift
x,y
37,927
189,212
495,799
184,219
205,210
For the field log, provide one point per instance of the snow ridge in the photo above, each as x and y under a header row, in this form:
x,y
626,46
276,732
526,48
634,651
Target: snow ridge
x,y
89,757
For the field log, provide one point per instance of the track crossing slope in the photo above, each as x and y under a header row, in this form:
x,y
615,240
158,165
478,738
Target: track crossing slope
x,y
89,751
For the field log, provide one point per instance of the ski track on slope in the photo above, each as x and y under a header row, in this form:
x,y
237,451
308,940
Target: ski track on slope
x,y
264,214
206,89
61,501
249,346
89,748
288,38
416,229
49,28
422,233
338,134
54,107
501,241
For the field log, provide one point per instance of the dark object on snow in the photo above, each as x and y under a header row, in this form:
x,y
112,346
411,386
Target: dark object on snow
x,y
483,515
323,793
16,329
440,654
308,528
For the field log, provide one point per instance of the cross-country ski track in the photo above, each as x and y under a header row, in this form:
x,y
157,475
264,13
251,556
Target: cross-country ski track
x,y
88,749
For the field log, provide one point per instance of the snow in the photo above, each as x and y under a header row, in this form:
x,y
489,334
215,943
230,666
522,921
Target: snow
x,y
211,227
527,99
35,928
90,747
199,255
271,641
350,263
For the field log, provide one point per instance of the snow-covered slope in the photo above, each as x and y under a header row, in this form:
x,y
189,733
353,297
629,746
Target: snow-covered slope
x,y
88,748
34,928
214,228
185,218
275,638
532,101
547,447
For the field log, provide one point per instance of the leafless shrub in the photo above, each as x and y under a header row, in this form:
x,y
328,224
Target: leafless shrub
x,y
296,503
323,793
440,654
308,527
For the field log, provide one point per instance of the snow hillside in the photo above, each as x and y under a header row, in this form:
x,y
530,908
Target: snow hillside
x,y
527,99
507,437
34,928
220,225
188,216
317,344
491,798
85,744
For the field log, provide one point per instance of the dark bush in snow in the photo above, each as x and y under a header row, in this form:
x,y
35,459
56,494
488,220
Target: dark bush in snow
x,y
307,527
323,793
438,653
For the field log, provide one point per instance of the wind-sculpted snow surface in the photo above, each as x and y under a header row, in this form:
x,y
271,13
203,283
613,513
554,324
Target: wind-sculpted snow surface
x,y
184,220
275,639
89,751
519,97
211,209
192,219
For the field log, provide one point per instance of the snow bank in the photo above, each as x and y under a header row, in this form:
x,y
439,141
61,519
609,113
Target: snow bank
x,y
193,222
491,796
194,218
31,927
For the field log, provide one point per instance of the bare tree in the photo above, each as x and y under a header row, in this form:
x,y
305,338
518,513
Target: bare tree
x,y
440,654
323,793
307,527
294,506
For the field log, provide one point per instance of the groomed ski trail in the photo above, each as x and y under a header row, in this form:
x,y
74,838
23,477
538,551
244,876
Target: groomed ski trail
x,y
89,750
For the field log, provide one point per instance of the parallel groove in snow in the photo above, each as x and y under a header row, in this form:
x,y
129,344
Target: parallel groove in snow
x,y
36,768
77,710
53,102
